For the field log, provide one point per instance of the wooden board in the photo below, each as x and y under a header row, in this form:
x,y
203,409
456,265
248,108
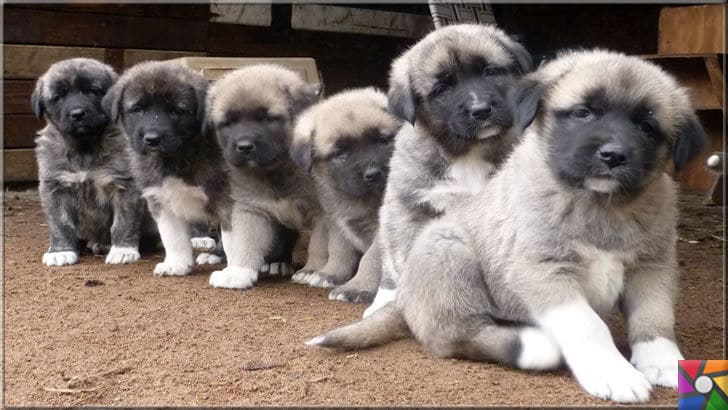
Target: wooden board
x,y
19,130
179,11
692,73
29,62
19,165
135,56
692,30
214,67
16,96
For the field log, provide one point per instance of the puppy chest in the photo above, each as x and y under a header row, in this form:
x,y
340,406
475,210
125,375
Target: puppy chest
x,y
188,202
603,277
96,186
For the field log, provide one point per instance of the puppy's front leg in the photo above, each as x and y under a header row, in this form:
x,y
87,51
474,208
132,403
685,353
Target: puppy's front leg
x,y
341,264
560,309
363,286
245,244
125,229
175,233
648,305
64,243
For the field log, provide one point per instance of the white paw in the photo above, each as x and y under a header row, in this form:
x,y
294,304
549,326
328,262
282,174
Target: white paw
x,y
277,269
202,243
171,269
657,360
234,277
611,377
60,258
313,279
122,254
208,259
383,297
538,350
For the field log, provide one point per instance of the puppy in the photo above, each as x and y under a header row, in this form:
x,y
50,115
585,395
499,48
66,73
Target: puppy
x,y
252,111
86,188
580,217
455,88
176,162
345,143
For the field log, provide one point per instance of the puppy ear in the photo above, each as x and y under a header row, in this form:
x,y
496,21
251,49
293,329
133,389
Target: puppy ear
x,y
527,97
402,100
302,98
302,146
36,100
522,57
690,141
112,101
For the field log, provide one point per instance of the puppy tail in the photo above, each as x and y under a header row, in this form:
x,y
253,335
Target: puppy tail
x,y
384,325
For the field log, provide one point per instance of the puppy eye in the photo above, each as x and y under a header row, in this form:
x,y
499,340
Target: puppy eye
x,y
385,139
96,91
439,88
489,71
135,109
178,111
647,126
56,98
581,113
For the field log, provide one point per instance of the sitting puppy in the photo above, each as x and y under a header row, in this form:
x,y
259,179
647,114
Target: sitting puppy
x,y
175,160
580,217
86,188
345,143
455,86
252,110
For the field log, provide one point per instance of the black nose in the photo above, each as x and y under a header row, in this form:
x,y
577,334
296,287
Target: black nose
x,y
613,155
246,147
372,174
152,139
480,110
77,114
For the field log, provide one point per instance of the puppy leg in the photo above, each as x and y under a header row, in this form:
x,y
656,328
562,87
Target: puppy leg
x,y
214,257
343,259
175,233
363,286
558,307
201,239
64,243
648,306
125,228
246,245
278,261
318,251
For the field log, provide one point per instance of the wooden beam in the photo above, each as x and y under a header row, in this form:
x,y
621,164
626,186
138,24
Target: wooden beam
x,y
19,130
692,30
16,96
692,73
19,165
716,77
29,62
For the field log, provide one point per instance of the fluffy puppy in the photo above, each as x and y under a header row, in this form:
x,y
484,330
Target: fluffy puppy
x,y
85,187
252,111
346,143
176,162
581,217
456,88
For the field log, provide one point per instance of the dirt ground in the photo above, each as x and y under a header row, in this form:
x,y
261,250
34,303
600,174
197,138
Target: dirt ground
x,y
116,335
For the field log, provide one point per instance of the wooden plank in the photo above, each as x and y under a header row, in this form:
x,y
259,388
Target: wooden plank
x,y
179,11
28,26
214,67
716,77
692,30
19,130
19,165
691,73
16,96
134,56
29,62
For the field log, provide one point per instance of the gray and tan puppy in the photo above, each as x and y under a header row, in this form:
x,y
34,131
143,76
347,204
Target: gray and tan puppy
x,y
582,217
85,186
253,110
346,143
457,87
175,160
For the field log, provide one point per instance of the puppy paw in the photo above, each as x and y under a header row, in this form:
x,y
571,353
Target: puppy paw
x,y
612,378
60,258
171,269
121,254
657,360
276,269
350,294
383,297
208,259
313,279
538,351
234,277
202,243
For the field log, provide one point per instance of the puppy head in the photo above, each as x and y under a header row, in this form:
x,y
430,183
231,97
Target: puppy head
x,y
69,96
252,110
347,141
457,83
613,122
160,106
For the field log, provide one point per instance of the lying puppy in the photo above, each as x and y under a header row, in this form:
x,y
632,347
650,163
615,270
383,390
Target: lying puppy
x,y
580,217
455,86
252,110
85,186
175,160
345,143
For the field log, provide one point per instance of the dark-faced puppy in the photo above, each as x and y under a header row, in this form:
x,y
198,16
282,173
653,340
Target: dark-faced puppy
x,y
176,162
346,143
252,111
459,88
85,183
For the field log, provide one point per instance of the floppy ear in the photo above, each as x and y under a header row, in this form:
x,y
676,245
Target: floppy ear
x,y
310,94
526,100
36,100
112,101
522,57
402,100
690,141
302,146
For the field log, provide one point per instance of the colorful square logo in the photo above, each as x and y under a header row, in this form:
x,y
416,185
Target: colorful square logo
x,y
702,385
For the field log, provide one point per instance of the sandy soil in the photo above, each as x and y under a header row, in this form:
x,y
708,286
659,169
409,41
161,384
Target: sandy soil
x,y
116,335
